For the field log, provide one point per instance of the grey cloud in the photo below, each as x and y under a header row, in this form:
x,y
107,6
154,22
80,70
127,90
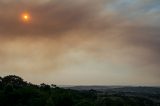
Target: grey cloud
x,y
49,18
57,18
107,30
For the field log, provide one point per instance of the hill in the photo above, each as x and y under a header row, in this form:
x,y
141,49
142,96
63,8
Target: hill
x,y
14,91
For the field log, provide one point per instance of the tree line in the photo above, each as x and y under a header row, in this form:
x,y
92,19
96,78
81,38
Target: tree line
x,y
14,91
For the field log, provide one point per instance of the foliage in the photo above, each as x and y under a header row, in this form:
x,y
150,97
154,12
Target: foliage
x,y
16,92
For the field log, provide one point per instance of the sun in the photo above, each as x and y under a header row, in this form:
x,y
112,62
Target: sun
x,y
26,17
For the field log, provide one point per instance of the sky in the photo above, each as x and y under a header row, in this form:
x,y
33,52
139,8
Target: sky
x,y
81,42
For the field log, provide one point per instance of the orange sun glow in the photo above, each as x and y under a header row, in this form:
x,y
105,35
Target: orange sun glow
x,y
26,17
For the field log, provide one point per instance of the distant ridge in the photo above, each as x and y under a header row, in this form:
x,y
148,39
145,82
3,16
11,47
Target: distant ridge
x,y
137,89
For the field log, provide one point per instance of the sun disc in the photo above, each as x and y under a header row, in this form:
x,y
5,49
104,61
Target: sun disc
x,y
25,17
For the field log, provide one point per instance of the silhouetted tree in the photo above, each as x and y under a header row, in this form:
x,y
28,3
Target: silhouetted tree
x,y
0,82
53,85
16,92
13,80
45,86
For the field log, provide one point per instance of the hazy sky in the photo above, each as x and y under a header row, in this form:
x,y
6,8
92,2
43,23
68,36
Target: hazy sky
x,y
81,42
